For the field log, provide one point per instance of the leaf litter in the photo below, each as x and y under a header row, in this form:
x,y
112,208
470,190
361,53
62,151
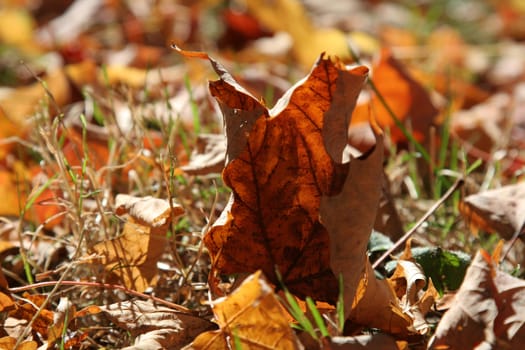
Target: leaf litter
x,y
88,117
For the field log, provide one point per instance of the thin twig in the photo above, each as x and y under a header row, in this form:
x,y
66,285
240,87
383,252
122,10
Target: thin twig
x,y
101,285
513,240
459,182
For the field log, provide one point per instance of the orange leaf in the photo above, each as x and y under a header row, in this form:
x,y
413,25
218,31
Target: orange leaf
x,y
253,315
133,256
407,99
280,163
9,343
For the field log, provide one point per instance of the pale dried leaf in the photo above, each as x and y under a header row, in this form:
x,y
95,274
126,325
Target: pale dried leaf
x,y
376,305
501,210
509,325
157,325
151,211
209,155
133,256
378,341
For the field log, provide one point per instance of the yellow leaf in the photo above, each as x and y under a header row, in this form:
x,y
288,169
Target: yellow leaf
x,y
252,315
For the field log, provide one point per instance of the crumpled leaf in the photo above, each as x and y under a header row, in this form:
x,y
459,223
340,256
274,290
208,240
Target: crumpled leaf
x,y
378,341
132,257
408,281
147,210
488,310
376,305
208,157
153,326
8,343
279,164
253,315
501,210
26,310
446,268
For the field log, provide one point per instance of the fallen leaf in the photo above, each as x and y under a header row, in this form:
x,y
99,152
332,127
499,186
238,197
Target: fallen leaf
x,y
149,211
26,310
376,305
499,210
406,97
408,281
279,164
8,343
21,103
22,37
487,311
349,237
208,157
253,316
483,126
154,326
6,302
132,257
446,268
378,341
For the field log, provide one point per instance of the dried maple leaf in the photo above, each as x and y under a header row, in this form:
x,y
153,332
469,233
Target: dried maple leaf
x,y
209,157
487,311
133,256
280,162
253,315
153,326
501,210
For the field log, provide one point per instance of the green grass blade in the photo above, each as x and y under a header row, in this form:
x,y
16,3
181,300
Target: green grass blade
x,y
194,107
340,307
317,317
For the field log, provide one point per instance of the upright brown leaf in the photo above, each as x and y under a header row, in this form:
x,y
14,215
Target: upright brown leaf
x,y
280,163
349,218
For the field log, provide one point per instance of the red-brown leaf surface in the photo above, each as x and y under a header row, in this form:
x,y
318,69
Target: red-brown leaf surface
x,y
488,310
280,163
501,210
